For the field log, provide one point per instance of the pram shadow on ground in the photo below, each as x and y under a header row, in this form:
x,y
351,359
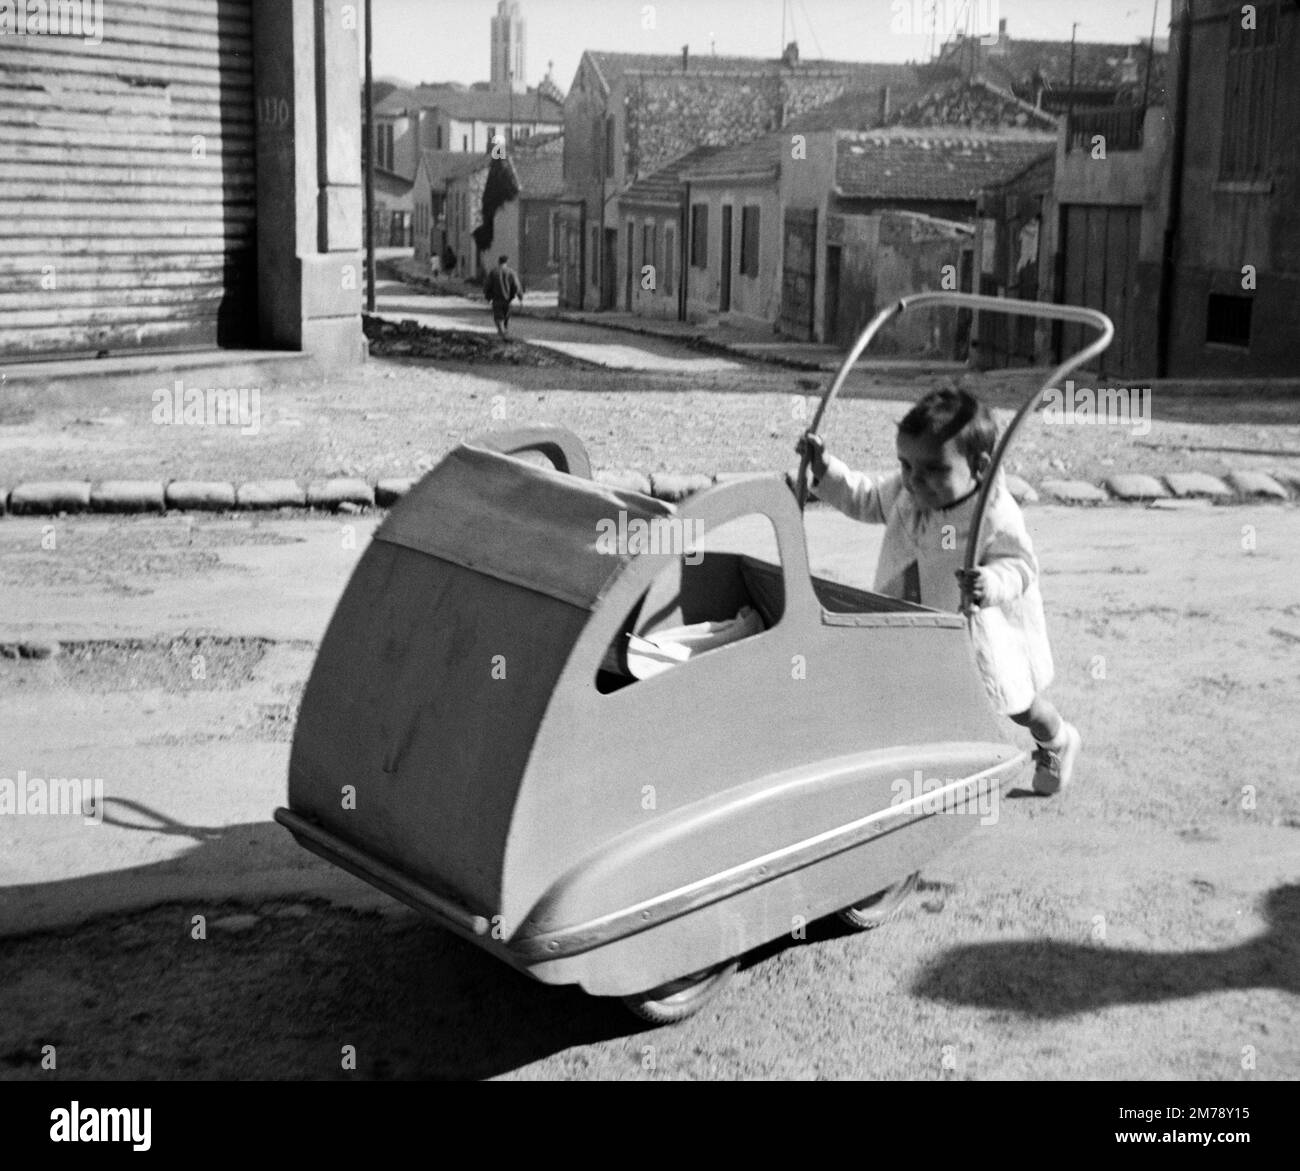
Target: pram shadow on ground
x,y
414,1000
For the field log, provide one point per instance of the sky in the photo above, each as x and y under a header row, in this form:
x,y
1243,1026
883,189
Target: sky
x,y
449,40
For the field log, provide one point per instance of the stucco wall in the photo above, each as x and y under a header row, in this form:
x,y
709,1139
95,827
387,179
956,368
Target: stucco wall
x,y
1228,225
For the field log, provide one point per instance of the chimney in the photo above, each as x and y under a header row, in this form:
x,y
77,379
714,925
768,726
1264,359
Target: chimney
x,y
686,56
884,104
791,54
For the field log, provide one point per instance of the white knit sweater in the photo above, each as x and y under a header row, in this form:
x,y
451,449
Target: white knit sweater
x,y
919,559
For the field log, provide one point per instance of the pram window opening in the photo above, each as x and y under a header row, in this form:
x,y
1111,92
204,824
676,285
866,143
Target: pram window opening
x,y
729,590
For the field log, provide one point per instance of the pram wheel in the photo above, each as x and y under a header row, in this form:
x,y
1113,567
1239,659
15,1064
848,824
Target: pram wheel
x,y
680,998
882,905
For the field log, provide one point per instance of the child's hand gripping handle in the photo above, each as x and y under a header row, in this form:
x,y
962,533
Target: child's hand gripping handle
x,y
974,590
812,448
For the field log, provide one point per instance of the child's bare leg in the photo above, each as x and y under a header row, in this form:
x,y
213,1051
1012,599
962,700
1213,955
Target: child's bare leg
x,y
1058,745
1042,719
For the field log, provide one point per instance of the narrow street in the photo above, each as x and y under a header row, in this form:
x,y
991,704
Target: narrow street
x,y
613,348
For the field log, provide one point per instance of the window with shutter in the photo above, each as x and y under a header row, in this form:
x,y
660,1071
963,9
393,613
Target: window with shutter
x,y
749,241
700,235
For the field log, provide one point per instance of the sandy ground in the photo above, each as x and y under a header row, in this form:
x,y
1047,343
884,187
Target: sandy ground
x,y
1145,924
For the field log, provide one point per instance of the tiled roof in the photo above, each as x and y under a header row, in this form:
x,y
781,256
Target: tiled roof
x,y
478,106
1021,65
474,105
759,156
539,166
664,186
446,165
971,105
613,66
936,164
391,183
858,108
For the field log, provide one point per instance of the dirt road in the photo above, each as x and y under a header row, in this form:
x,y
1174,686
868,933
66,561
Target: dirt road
x,y
1146,924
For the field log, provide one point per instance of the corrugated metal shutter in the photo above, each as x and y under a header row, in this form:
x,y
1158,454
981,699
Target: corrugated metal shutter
x,y
127,183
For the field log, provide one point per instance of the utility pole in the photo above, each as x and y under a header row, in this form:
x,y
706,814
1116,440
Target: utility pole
x,y
1151,54
1074,34
370,167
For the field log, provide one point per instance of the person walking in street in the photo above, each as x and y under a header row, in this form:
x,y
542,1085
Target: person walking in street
x,y
501,288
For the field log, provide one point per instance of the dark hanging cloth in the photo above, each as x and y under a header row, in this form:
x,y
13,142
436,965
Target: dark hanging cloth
x,y
501,187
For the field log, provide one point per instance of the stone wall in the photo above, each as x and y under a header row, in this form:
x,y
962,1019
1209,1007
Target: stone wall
x,y
668,115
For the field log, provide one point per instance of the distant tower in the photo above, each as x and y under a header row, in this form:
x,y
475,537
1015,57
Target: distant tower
x,y
508,48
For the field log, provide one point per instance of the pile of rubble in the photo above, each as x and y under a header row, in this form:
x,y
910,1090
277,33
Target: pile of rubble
x,y
409,339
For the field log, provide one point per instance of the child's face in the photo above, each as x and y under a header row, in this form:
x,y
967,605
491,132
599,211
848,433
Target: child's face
x,y
936,474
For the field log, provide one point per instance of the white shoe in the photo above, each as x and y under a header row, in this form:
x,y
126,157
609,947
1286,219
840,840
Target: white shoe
x,y
1055,763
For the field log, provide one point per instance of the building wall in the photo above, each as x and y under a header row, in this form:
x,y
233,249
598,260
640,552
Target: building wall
x,y
585,111
1123,179
754,299
539,250
425,234
309,204
456,132
570,279
888,256
1015,251
1226,226
520,231
464,201
962,211
661,300
406,150
807,182
658,118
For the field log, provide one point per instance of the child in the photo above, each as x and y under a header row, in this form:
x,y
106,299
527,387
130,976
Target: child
x,y
945,449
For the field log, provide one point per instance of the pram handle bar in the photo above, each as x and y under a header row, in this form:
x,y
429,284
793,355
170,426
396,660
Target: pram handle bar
x,y
558,444
1009,305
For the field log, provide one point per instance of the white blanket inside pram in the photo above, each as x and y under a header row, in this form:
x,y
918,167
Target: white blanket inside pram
x,y
654,653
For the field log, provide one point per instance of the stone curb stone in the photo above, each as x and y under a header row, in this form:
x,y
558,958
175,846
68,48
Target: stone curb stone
x,y
1257,484
235,923
1074,492
339,491
674,487
389,492
1196,484
1182,504
1135,486
1022,491
625,480
128,496
50,496
270,494
1288,479
200,495
38,648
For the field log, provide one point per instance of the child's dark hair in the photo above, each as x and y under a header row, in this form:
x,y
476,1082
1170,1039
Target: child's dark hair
x,y
948,414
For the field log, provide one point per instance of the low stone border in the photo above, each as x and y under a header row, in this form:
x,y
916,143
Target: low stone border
x,y
352,494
